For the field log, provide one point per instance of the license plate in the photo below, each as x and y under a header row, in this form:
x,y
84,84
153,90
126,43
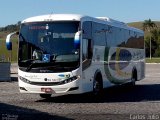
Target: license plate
x,y
47,90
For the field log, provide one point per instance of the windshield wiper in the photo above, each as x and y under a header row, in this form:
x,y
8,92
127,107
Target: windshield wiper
x,y
37,62
26,61
33,62
29,67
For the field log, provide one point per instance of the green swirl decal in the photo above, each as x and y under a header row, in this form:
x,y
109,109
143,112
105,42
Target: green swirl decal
x,y
106,68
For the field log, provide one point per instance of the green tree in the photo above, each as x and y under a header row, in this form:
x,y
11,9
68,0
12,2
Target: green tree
x,y
149,25
11,28
156,38
156,35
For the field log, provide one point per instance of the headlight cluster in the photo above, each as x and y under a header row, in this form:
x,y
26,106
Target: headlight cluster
x,y
69,80
24,79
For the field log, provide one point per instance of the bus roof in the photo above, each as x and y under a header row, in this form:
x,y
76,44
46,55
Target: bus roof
x,y
77,17
54,17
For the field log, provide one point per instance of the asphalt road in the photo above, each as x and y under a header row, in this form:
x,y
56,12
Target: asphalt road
x,y
118,103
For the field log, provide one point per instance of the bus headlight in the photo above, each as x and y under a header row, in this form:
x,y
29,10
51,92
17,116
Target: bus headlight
x,y
70,79
24,79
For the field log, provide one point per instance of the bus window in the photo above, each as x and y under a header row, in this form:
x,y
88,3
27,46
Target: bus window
x,y
86,53
87,30
87,49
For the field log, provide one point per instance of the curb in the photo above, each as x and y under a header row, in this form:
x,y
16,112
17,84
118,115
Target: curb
x,y
152,63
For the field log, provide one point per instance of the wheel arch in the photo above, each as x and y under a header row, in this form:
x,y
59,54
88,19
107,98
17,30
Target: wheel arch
x,y
98,74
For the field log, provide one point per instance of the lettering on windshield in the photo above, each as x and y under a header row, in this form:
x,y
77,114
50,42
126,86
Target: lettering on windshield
x,y
37,27
63,35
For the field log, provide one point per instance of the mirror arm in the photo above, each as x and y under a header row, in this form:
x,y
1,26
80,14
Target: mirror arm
x,y
8,40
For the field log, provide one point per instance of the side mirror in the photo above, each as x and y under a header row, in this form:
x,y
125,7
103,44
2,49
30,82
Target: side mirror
x,y
8,40
77,39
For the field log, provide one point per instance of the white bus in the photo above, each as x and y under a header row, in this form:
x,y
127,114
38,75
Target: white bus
x,y
71,54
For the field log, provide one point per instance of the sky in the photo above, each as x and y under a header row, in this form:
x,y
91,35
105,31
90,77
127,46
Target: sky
x,y
12,11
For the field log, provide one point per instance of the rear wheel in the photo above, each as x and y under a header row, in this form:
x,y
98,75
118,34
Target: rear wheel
x,y
134,78
45,95
133,82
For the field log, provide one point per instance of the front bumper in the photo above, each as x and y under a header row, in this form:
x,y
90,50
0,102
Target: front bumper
x,y
68,88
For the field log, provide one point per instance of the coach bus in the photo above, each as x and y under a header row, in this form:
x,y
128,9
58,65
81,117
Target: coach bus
x,y
61,54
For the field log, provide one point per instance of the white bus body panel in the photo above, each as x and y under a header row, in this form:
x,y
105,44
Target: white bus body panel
x,y
51,77
113,70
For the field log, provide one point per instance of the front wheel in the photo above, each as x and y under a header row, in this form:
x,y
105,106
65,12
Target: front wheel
x,y
45,95
97,86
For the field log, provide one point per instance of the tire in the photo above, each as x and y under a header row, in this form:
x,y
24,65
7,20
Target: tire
x,y
45,95
98,86
133,79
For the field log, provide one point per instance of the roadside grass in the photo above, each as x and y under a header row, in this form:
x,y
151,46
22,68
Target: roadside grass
x,y
153,60
6,55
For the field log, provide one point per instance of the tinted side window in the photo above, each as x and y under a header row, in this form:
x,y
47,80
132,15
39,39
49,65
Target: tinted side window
x,y
113,37
135,40
87,30
99,34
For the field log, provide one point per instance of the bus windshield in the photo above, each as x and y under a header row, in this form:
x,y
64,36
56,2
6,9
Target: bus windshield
x,y
44,44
